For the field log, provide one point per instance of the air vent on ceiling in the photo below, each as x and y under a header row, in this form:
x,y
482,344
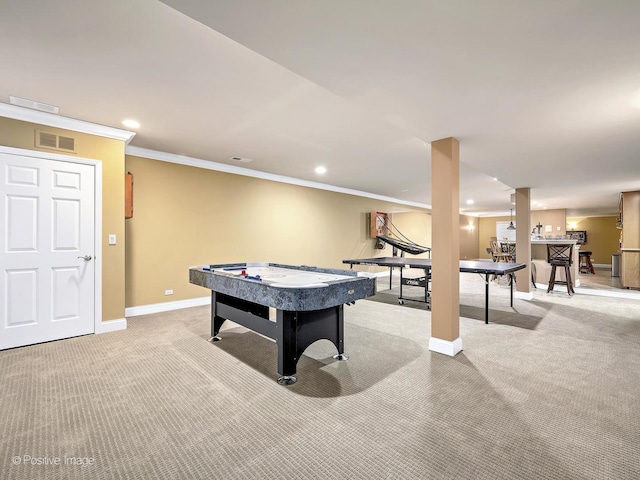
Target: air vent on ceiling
x,y
53,141
43,107
240,159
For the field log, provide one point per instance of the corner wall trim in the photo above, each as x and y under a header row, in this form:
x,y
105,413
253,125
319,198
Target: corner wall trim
x,y
67,123
445,347
111,325
166,306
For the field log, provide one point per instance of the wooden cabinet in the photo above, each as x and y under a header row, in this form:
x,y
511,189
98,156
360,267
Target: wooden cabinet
x,y
630,239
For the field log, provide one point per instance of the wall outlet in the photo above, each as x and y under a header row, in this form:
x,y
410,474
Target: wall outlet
x,y
168,292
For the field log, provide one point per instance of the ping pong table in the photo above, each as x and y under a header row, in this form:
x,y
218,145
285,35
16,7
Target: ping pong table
x,y
483,267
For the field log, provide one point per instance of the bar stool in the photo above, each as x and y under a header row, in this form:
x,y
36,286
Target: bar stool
x,y
585,265
560,255
534,274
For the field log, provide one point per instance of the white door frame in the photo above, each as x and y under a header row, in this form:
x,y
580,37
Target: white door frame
x,y
97,216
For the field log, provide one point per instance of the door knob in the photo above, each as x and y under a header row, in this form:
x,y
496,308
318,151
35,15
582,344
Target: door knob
x,y
86,258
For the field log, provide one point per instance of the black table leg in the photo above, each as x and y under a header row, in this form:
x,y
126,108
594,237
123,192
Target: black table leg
x,y
286,340
216,321
511,286
297,330
486,298
339,342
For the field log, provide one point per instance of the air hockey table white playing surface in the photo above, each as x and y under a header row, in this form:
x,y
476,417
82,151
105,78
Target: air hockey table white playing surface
x,y
280,276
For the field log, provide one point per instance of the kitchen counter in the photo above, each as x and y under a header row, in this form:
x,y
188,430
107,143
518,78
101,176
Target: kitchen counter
x,y
544,241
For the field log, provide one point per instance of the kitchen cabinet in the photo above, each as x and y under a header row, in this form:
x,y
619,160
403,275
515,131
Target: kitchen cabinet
x,y
630,239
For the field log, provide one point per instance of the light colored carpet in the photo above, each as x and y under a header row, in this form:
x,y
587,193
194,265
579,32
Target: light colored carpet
x,y
548,391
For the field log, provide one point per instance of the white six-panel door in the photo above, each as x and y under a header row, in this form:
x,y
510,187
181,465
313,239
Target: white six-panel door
x,y
46,250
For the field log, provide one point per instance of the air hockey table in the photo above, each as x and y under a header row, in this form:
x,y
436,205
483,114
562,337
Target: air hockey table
x,y
486,268
308,303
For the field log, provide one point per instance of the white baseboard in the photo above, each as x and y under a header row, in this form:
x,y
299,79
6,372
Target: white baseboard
x,y
523,295
111,325
445,347
166,306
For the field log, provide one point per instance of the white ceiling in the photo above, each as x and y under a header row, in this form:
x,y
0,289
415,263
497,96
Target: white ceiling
x,y
538,92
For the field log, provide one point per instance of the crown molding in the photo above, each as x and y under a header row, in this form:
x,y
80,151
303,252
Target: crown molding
x,y
44,118
221,167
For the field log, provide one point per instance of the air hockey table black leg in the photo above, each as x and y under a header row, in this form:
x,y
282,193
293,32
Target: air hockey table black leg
x,y
341,356
286,340
216,321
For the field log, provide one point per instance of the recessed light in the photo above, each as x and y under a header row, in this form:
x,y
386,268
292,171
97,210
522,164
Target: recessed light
x,y
469,202
321,170
130,123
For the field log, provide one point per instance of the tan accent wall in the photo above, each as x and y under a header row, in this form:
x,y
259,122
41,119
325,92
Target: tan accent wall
x,y
602,236
19,134
469,233
556,218
185,216
486,229
416,226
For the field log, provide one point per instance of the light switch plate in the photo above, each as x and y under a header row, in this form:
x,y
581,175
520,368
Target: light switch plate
x,y
112,239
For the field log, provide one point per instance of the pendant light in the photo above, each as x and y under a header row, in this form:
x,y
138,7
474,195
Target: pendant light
x,y
511,225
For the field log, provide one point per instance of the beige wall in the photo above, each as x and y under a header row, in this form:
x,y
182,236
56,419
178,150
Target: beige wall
x,y
602,236
486,229
556,218
469,238
19,134
185,216
416,226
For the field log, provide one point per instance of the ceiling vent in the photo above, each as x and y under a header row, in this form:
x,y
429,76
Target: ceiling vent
x,y
240,159
43,107
52,141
